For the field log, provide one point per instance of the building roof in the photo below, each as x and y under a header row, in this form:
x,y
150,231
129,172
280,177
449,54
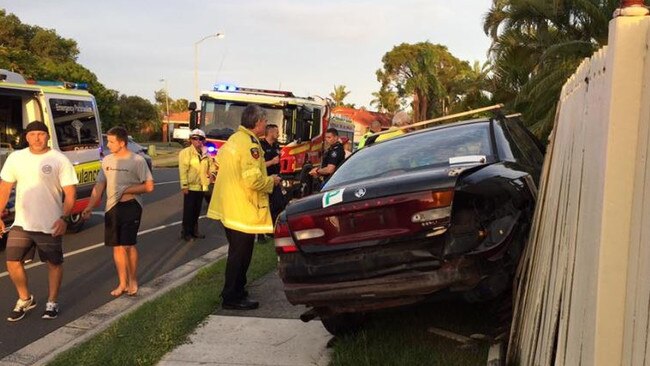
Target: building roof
x,y
362,116
178,117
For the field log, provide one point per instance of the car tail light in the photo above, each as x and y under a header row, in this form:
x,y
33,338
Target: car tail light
x,y
442,198
441,203
283,241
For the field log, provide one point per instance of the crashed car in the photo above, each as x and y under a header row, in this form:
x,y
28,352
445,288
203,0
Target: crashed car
x,y
441,210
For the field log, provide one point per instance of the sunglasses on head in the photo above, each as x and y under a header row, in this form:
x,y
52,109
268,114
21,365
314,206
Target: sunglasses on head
x,y
197,138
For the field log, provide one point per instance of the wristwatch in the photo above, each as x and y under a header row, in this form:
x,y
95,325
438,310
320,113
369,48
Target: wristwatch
x,y
65,218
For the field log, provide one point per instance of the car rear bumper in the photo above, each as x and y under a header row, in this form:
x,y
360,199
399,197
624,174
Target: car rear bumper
x,y
385,291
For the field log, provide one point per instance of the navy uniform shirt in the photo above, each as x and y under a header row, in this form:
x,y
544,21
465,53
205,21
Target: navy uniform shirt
x,y
334,155
271,151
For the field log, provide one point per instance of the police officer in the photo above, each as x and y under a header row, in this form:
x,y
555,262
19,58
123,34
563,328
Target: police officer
x,y
333,157
272,161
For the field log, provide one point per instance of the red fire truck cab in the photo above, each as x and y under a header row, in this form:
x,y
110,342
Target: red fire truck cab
x,y
302,123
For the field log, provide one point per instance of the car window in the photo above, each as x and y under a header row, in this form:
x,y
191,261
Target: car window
x,y
525,147
416,151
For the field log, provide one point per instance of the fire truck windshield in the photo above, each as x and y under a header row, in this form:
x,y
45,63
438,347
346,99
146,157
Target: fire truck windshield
x,y
222,118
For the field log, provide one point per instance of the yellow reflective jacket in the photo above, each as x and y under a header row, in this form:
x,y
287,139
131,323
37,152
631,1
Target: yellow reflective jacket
x,y
240,199
364,138
193,169
389,135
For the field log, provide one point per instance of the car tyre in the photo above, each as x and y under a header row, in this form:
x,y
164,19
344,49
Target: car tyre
x,y
343,324
76,223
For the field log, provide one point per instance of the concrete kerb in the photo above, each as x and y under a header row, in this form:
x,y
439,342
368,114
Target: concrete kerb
x,y
78,331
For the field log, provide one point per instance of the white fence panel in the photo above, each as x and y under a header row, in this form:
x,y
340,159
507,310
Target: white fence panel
x,y
583,289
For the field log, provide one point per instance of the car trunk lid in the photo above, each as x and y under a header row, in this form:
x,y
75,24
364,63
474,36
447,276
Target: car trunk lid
x,y
373,212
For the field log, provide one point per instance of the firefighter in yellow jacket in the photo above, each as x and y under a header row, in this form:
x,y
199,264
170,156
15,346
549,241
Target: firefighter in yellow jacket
x,y
240,200
193,169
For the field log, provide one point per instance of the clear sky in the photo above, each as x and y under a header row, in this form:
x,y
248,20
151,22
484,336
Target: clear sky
x,y
304,46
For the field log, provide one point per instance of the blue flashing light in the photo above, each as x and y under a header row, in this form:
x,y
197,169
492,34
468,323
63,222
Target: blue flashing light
x,y
211,149
64,84
224,87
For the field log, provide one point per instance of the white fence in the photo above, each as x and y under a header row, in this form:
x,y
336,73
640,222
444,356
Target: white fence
x,y
584,283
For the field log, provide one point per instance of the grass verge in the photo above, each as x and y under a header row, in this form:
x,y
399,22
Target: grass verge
x,y
400,337
144,336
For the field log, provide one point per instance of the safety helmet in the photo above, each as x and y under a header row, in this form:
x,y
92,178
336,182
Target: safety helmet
x,y
197,132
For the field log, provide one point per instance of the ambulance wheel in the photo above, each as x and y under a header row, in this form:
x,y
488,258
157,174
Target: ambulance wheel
x,y
76,223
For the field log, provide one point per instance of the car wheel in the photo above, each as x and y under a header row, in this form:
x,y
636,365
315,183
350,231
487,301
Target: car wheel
x,y
343,324
76,223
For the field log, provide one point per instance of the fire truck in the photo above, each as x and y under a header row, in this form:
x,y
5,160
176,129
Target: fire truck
x,y
302,123
70,112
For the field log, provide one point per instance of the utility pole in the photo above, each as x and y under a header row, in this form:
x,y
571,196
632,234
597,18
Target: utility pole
x,y
167,108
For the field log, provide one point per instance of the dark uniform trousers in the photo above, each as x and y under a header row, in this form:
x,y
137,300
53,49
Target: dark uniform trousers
x,y
192,202
240,251
276,202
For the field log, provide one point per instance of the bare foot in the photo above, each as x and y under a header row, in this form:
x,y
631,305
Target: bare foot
x,y
118,291
133,290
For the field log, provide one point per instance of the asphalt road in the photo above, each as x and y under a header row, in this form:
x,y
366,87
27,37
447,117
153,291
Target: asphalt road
x,y
89,273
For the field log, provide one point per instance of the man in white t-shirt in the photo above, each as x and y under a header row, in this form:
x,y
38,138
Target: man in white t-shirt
x,y
41,176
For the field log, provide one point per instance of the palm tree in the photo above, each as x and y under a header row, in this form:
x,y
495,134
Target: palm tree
x,y
386,101
536,46
339,94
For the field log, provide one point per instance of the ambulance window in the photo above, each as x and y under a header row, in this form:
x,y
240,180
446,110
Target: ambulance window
x,y
315,127
75,124
11,121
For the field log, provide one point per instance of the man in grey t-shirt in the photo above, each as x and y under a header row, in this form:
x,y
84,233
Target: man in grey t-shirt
x,y
124,176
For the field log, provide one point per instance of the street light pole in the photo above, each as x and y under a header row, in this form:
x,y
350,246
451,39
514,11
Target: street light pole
x,y
196,62
166,103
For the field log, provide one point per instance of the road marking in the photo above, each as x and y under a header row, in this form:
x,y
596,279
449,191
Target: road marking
x,y
99,245
161,183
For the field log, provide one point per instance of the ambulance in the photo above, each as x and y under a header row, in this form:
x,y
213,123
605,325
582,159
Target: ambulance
x,y
302,123
70,112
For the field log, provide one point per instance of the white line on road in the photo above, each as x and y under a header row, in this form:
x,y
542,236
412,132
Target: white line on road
x,y
98,245
161,183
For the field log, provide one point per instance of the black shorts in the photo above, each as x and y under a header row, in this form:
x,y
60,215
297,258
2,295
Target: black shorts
x,y
20,244
121,224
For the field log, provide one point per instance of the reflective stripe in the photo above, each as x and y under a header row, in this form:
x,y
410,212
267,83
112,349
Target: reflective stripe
x,y
249,229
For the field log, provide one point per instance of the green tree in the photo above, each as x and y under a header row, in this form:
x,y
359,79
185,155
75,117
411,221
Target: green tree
x,y
41,54
428,75
536,46
385,100
137,113
175,105
179,105
339,94
477,92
